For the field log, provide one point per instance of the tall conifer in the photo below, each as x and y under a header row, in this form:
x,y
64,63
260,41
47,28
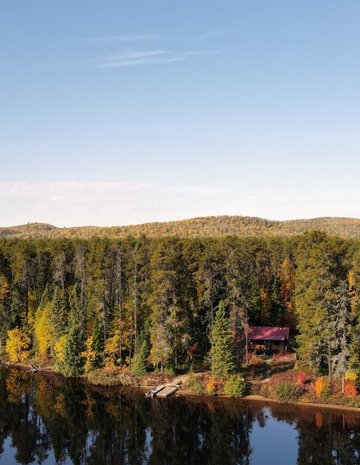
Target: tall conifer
x,y
222,355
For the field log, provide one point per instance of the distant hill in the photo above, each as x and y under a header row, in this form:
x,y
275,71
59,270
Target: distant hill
x,y
212,226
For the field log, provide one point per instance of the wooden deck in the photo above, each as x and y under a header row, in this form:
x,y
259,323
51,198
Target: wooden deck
x,y
167,391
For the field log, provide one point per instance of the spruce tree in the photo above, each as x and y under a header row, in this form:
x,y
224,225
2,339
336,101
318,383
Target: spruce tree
x,y
221,353
342,327
98,345
73,363
320,271
139,363
59,312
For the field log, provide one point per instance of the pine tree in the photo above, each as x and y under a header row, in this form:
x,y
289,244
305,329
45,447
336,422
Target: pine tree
x,y
98,345
342,328
59,312
319,273
222,357
139,363
73,363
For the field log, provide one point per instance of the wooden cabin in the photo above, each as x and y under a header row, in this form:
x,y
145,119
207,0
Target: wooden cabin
x,y
268,339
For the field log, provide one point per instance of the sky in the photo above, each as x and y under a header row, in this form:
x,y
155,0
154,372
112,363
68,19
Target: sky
x,y
127,111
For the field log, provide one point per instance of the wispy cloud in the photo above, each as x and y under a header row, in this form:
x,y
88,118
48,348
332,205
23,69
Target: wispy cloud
x,y
149,57
126,38
209,35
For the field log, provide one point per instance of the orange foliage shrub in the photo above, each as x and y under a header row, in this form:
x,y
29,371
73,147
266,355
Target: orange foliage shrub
x,y
211,386
350,389
321,386
256,360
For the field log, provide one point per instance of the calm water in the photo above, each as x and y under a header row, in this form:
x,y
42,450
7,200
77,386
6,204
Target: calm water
x,y
48,421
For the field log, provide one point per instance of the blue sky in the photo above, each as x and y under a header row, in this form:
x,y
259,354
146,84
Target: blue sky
x,y
117,112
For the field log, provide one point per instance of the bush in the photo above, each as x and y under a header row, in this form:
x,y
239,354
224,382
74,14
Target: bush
x,y
286,391
211,386
169,371
302,378
350,389
235,386
112,376
255,360
351,375
194,385
198,388
322,387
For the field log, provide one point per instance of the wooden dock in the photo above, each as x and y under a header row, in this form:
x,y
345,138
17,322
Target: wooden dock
x,y
167,391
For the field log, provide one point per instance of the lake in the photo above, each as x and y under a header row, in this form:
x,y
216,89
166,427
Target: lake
x,y
49,420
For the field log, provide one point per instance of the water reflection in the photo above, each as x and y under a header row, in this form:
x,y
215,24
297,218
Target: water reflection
x,y
47,420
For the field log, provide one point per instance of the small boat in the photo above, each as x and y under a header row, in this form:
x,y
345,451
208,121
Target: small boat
x,y
153,392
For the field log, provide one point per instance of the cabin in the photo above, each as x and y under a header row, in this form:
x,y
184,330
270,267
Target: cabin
x,y
268,339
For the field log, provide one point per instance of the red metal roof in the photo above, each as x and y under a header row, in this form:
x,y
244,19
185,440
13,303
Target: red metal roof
x,y
268,333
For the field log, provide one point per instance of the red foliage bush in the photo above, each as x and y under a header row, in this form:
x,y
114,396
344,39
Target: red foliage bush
x,y
350,389
301,378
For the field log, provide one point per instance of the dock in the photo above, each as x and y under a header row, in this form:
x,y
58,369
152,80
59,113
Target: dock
x,y
163,391
167,391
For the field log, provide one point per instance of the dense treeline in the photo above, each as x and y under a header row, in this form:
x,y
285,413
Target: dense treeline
x,y
211,226
140,301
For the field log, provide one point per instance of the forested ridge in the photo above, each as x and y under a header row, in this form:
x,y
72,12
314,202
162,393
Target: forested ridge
x,y
175,303
212,226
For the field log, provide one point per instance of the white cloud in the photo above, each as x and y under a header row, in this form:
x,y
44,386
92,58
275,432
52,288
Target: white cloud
x,y
148,57
126,38
71,203
208,35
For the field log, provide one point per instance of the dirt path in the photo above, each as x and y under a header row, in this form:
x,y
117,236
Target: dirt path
x,y
180,379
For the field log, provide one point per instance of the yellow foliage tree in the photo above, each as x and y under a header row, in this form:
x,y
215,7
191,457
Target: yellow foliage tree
x,y
112,347
89,354
59,348
17,345
44,332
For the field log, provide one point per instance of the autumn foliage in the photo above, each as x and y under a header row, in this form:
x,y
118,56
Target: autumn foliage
x,y
211,386
321,387
301,378
17,345
350,389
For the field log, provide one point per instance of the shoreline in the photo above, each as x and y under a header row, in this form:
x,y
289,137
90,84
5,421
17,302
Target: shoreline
x,y
181,392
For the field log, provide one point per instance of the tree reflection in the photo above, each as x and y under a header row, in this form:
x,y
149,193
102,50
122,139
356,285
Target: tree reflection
x,y
50,416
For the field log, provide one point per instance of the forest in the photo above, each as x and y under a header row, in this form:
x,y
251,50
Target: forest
x,y
210,226
178,304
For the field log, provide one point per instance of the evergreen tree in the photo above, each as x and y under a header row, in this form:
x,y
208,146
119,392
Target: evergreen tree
x,y
98,345
139,362
238,329
342,328
319,274
59,312
222,357
73,363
